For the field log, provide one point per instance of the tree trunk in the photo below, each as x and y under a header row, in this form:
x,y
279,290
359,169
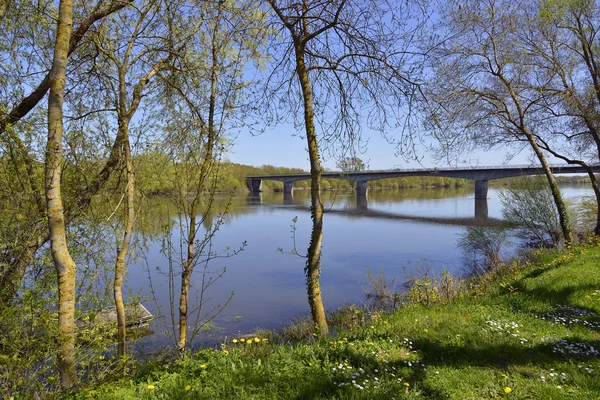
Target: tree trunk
x,y
561,207
120,265
313,262
594,182
188,266
64,264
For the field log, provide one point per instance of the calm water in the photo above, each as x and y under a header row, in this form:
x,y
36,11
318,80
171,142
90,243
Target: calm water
x,y
402,233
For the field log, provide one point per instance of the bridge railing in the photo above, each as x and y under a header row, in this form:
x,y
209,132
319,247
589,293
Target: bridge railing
x,y
433,169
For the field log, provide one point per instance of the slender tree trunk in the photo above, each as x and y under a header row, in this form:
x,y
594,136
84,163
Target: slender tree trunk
x,y
561,207
313,262
120,265
188,266
64,264
594,182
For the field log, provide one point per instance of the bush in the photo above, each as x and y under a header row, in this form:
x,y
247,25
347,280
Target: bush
x,y
528,204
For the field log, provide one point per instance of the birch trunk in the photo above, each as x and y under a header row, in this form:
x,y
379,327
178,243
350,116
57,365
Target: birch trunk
x,y
63,262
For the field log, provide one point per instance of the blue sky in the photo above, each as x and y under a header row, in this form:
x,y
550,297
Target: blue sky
x,y
280,147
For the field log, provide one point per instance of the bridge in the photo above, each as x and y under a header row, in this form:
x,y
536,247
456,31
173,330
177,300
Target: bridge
x,y
481,176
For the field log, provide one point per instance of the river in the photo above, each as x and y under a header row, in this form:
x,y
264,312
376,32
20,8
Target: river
x,y
400,233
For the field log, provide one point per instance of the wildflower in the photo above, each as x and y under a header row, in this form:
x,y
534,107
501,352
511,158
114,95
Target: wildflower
x,y
234,340
150,387
242,340
372,327
310,364
225,352
425,330
406,384
507,390
265,340
346,339
257,340
203,366
187,388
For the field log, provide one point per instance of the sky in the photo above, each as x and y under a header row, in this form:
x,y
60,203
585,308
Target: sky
x,y
283,147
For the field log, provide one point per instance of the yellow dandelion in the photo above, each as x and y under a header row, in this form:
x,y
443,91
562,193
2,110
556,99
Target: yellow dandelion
x,y
265,340
507,390
330,342
234,340
150,387
587,297
242,340
225,352
346,339
187,388
340,341
393,375
310,364
249,341
406,384
257,340
385,322
203,366
425,330
372,327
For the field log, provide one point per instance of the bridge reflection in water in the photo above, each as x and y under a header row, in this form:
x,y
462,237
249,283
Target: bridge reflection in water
x,y
361,209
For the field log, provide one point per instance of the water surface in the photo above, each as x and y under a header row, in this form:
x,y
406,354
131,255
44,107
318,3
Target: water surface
x,y
401,233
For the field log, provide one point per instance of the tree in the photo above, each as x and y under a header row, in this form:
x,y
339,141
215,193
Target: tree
x,y
562,39
65,266
339,57
480,84
351,164
202,108
132,61
22,155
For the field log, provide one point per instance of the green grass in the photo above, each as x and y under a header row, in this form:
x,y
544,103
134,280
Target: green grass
x,y
529,334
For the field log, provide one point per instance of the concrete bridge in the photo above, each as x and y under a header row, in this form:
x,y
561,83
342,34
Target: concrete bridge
x,y
481,176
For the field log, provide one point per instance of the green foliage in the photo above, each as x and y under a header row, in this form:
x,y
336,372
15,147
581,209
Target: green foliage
x,y
430,289
528,204
484,245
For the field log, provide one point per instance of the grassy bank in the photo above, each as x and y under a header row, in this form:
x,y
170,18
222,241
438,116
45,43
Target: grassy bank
x,y
531,331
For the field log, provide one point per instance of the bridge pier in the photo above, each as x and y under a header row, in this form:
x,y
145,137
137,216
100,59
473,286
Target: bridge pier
x,y
288,198
254,199
255,185
362,187
481,209
362,201
288,187
481,189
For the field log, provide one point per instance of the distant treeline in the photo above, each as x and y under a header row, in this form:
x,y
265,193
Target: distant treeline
x,y
579,179
156,174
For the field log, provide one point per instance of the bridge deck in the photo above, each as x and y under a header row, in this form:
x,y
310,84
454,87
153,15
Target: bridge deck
x,y
472,173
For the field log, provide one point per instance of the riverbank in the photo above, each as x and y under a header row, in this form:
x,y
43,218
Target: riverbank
x,y
531,330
